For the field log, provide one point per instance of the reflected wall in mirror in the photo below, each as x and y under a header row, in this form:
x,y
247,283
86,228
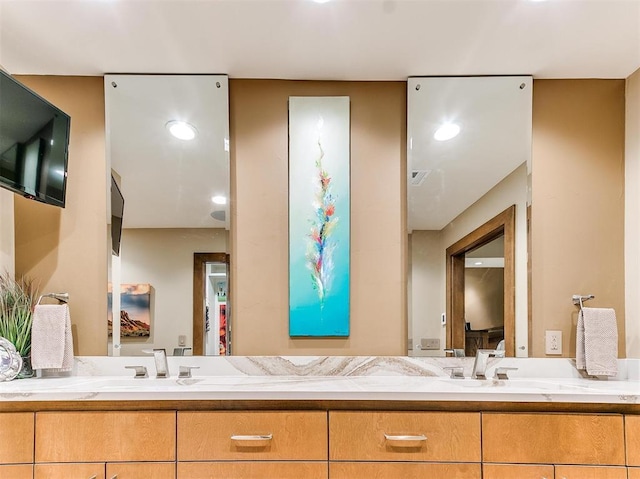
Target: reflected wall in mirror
x,y
167,147
469,155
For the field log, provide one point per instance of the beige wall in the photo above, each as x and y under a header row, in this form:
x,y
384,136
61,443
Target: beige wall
x,y
260,252
578,204
632,215
7,233
66,249
484,297
164,258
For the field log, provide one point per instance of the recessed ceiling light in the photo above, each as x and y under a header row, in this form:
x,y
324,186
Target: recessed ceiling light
x,y
181,130
321,1
446,131
219,200
478,263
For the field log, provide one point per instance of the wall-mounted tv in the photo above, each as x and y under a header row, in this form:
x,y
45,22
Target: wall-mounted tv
x,y
34,142
117,214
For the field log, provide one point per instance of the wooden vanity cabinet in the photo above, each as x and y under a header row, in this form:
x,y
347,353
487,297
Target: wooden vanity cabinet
x,y
16,471
252,444
519,471
70,471
633,473
632,436
148,470
580,439
364,445
16,438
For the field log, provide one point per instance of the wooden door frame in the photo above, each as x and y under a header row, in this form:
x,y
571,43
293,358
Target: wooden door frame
x,y
504,223
200,261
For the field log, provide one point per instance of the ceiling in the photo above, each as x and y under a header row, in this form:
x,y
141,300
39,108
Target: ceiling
x,y
338,40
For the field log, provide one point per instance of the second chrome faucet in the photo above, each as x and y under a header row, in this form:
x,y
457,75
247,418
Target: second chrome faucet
x,y
160,358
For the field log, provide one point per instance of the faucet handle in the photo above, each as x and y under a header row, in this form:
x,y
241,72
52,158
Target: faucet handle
x,y
141,371
185,371
457,372
501,372
457,353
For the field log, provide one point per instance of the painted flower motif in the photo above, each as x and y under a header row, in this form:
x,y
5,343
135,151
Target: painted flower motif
x,y
320,245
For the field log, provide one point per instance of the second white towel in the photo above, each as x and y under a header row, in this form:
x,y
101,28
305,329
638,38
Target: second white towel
x,y
51,338
597,342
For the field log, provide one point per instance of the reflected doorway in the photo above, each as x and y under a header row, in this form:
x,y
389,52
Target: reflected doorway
x,y
211,324
500,230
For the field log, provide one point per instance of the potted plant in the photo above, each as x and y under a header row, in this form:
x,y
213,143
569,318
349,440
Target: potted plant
x,y
17,300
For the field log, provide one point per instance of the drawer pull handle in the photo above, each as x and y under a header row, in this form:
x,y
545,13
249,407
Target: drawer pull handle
x,y
405,440
115,476
93,477
257,440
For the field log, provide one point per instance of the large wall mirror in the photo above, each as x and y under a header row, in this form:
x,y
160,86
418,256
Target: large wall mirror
x,y
469,155
168,155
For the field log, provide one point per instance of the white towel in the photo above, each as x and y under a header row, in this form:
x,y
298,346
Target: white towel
x,y
51,339
597,341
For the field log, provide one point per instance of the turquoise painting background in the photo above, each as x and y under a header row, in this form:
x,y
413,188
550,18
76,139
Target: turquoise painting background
x,y
312,119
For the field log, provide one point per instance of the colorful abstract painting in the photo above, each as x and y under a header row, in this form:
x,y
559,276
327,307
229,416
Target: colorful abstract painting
x,y
319,216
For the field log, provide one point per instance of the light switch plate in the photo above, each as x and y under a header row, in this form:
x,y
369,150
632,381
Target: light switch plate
x,y
553,342
182,340
430,344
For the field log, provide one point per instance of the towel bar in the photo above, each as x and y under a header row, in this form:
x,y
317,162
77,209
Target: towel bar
x,y
579,299
62,297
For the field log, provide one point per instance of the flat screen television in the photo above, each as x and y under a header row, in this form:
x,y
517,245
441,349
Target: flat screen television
x,y
34,144
117,213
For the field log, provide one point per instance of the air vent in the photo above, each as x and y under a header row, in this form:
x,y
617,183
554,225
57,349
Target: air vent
x,y
418,176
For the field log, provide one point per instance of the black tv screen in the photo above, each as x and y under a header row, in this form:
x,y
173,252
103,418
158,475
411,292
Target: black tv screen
x,y
34,141
117,214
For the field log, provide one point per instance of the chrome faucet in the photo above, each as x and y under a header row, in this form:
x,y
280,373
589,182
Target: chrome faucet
x,y
480,364
160,357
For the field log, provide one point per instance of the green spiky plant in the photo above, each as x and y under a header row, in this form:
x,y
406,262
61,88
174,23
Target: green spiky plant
x,y
17,300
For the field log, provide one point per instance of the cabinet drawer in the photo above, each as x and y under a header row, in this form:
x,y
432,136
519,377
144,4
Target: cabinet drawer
x,y
386,470
252,470
69,471
139,470
632,426
360,436
22,471
16,437
590,472
227,435
519,471
634,473
553,438
105,436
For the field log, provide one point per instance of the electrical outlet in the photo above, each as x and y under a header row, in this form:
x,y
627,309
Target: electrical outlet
x,y
553,342
430,344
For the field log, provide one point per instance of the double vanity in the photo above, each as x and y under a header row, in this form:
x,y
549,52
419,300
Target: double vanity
x,y
319,417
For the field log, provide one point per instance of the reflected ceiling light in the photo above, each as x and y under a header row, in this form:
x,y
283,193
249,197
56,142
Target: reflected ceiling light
x,y
478,263
446,131
182,130
219,200
321,1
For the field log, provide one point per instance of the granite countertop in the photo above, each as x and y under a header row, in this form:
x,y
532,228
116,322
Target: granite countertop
x,y
329,378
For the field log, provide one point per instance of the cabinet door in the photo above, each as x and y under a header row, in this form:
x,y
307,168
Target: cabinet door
x,y
21,471
634,472
632,429
519,471
105,436
404,436
252,470
553,438
139,470
69,471
590,472
386,470
232,435
16,437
